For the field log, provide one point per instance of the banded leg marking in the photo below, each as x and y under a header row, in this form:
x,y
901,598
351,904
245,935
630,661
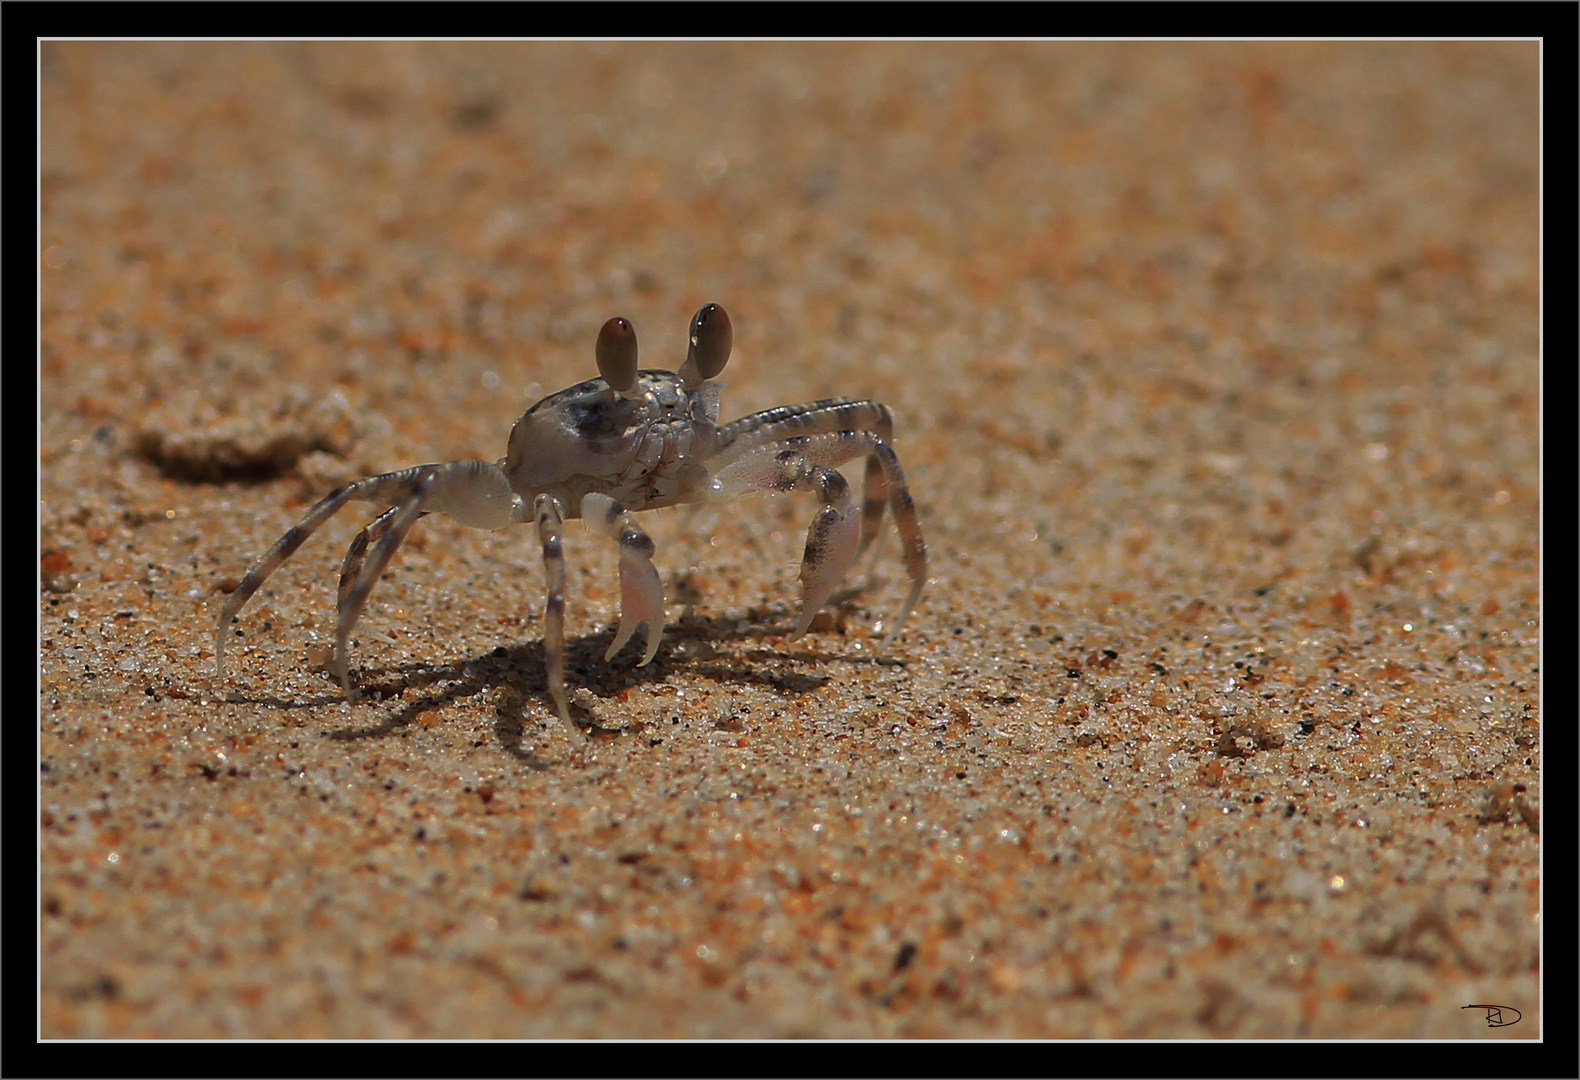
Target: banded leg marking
x,y
399,520
551,522
829,416
741,437
802,462
357,553
831,539
874,496
390,488
913,548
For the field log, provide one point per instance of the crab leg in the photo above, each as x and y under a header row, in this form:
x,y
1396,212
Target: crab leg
x,y
355,599
805,462
874,493
357,553
641,592
831,540
392,488
912,547
475,493
551,521
835,530
743,436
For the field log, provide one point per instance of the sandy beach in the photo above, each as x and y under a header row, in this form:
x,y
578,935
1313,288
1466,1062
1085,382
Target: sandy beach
x,y
1214,370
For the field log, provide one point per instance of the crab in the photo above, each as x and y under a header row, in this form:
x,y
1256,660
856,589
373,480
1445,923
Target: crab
x,y
605,448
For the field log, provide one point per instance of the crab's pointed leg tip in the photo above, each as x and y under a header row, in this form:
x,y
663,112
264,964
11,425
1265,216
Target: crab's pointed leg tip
x,y
625,633
654,639
577,735
563,708
804,626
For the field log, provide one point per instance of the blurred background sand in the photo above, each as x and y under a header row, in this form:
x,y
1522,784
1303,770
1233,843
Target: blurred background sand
x,y
1215,374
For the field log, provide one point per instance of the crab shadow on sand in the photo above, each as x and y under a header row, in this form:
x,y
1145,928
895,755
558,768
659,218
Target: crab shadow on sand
x,y
691,645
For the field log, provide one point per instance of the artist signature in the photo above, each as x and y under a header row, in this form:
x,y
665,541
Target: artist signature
x,y
1495,1014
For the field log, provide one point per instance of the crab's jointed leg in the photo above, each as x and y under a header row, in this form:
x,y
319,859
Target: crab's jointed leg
x,y
551,523
357,554
831,539
805,462
641,591
354,599
475,493
874,495
750,433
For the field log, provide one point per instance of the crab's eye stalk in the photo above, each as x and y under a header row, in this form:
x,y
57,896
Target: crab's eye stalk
x,y
711,339
617,355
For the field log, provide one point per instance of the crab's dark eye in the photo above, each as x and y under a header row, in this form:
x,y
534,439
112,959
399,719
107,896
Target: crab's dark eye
x,y
617,354
712,337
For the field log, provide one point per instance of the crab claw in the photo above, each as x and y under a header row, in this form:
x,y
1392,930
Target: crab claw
x,y
641,602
